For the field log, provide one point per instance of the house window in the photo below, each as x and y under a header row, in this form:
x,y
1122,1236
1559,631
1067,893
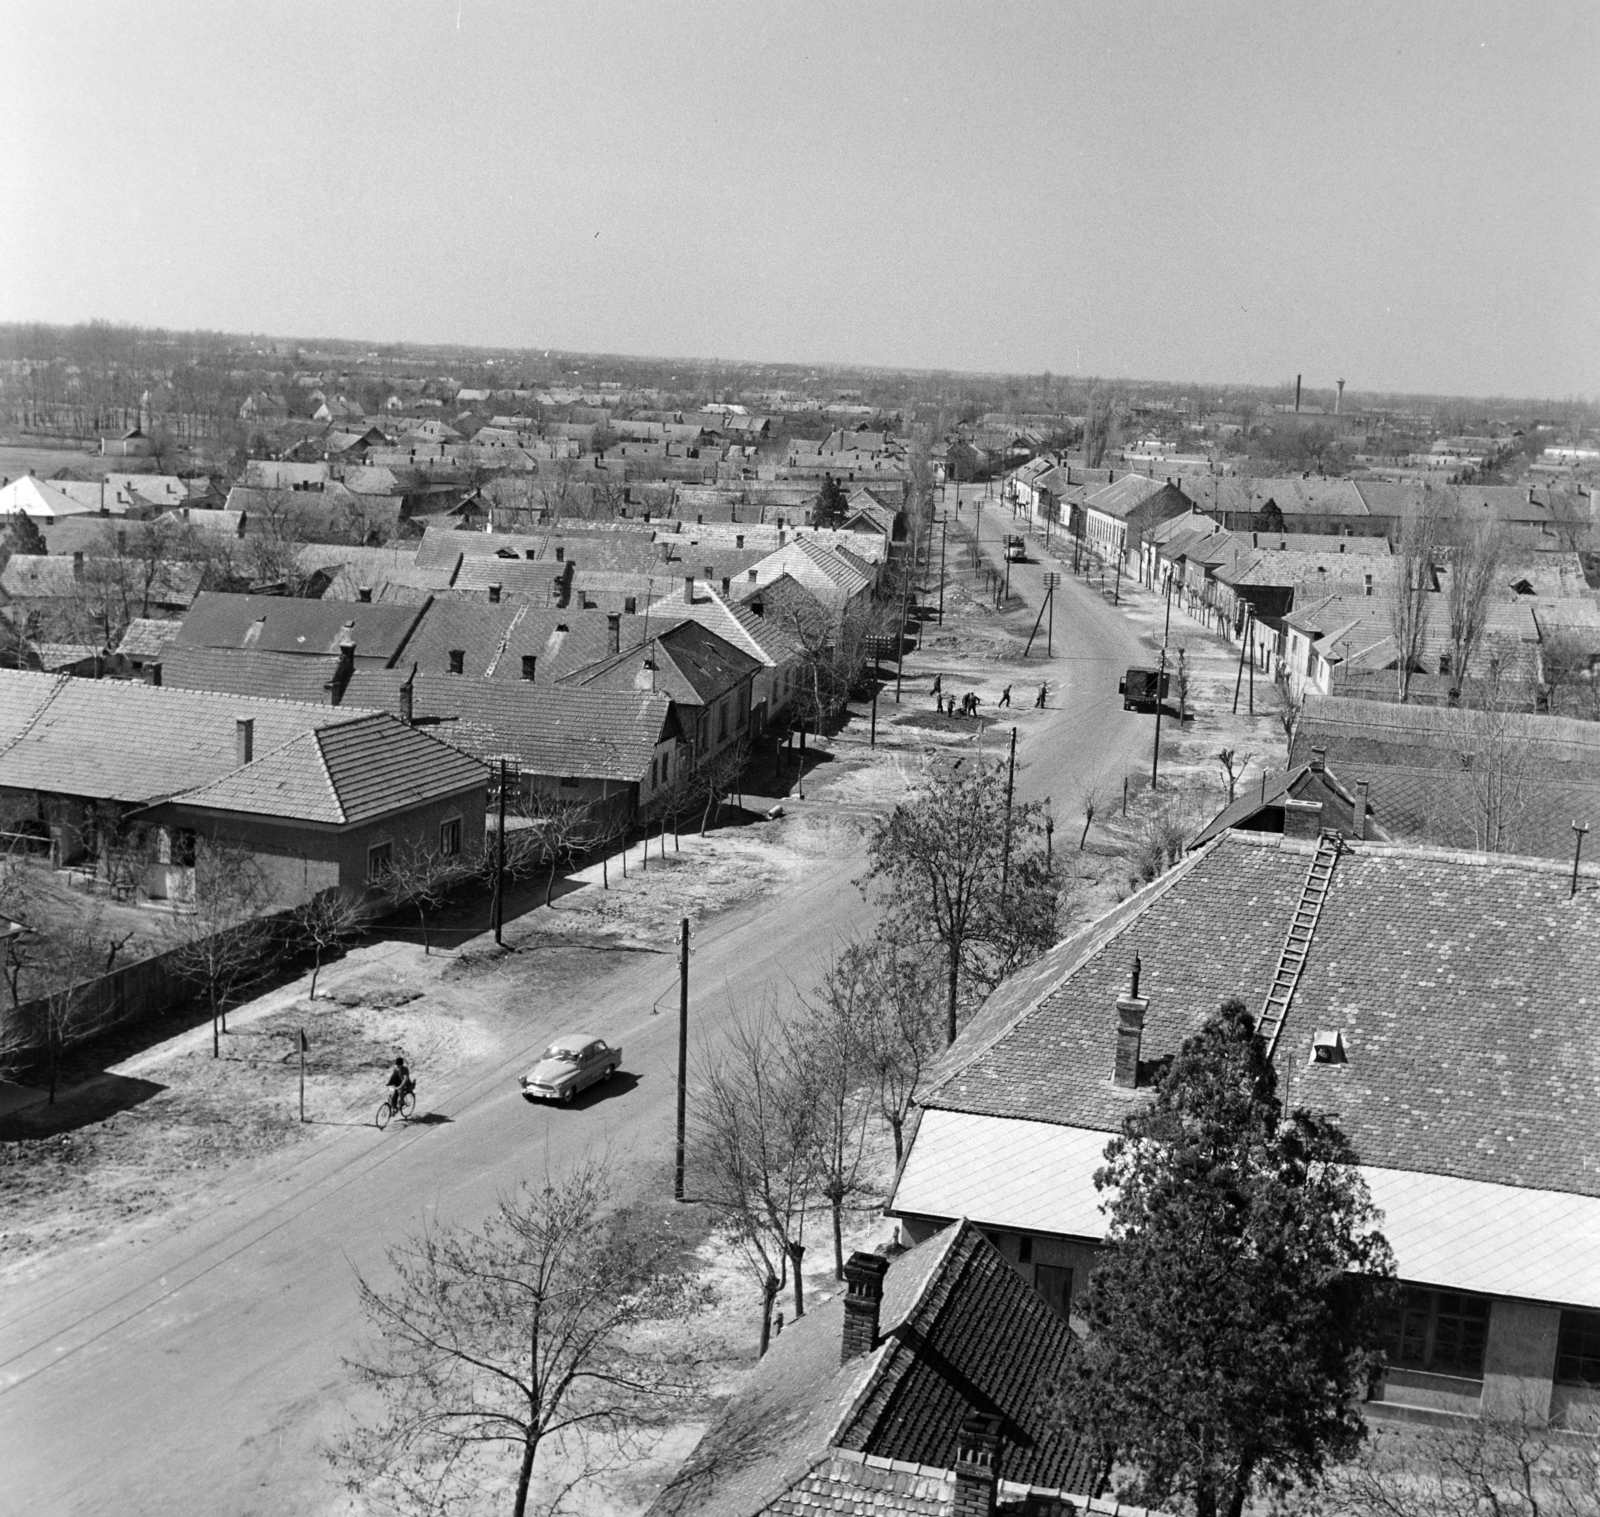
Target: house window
x,y
458,660
1442,1332
450,837
653,763
569,782
1054,1283
1578,1349
380,860
665,761
183,847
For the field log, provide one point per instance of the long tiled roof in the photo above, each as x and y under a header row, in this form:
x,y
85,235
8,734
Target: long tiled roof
x,y
1463,985
284,624
116,740
247,671
559,730
959,1330
693,666
344,772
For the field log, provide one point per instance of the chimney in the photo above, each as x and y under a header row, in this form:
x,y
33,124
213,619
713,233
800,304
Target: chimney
x,y
613,632
341,673
530,665
726,583
77,565
688,589
782,535
738,541
1131,1008
1358,828
863,1296
561,555
494,595
1297,393
152,674
530,552
244,739
1319,760
1302,819
977,1466
364,594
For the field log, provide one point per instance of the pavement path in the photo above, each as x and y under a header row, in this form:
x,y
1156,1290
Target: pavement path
x,y
195,1373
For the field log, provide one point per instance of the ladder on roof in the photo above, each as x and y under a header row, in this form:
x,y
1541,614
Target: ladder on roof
x,y
1292,961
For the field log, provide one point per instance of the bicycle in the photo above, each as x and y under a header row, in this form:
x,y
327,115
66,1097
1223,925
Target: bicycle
x,y
397,1102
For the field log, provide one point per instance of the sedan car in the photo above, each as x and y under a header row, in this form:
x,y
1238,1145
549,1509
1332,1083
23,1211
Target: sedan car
x,y
570,1064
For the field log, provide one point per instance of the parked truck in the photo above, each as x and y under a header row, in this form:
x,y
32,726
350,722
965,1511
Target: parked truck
x,y
1142,689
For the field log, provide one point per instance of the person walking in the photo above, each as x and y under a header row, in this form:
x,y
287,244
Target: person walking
x,y
1038,705
938,685
1005,696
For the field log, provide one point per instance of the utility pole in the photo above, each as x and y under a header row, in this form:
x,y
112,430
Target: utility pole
x,y
1155,751
500,862
683,1054
1578,830
1166,628
305,1045
944,529
1238,679
877,651
1011,780
900,641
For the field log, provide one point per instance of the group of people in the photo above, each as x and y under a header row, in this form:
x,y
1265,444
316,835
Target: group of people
x,y
969,701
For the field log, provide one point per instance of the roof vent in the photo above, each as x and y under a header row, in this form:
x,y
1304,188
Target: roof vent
x,y
1327,1047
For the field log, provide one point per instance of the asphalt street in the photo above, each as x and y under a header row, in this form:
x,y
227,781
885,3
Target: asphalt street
x,y
194,1374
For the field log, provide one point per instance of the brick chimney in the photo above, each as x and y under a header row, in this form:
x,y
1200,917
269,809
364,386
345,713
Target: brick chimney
x,y
977,1466
406,699
244,739
1358,828
863,1297
1131,1008
1319,760
1302,819
152,673
530,666
613,632
688,589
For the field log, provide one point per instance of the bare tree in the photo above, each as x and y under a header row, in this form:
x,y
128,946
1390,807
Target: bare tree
x,y
1288,710
562,829
1499,771
1474,566
835,1056
326,923
896,996
529,1335
1483,1466
219,941
1233,768
63,959
755,1152
420,877
962,872
1412,606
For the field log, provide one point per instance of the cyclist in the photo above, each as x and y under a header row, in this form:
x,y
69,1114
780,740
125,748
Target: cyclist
x,y
400,1082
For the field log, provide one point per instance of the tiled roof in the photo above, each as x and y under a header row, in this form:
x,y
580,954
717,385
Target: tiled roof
x,y
147,637
38,576
344,772
756,635
1463,985
692,665
248,671
959,1330
123,741
550,729
284,624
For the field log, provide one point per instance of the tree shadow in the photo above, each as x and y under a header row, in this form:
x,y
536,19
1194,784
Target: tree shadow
x,y
93,1100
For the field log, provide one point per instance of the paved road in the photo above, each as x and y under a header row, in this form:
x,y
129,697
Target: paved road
x,y
194,1374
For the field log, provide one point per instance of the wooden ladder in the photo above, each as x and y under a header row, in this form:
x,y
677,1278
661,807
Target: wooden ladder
x,y
1292,961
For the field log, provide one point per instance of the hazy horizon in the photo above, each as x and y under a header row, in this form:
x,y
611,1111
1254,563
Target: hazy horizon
x,y
1228,195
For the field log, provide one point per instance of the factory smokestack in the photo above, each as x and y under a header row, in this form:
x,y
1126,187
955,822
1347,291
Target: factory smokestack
x,y
1297,394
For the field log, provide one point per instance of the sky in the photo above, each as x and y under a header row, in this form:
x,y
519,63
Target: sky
x,y
1404,195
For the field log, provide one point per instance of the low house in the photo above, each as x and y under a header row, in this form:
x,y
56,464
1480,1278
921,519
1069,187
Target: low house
x,y
121,778
1442,1006
1304,800
1115,517
922,1388
708,679
614,753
